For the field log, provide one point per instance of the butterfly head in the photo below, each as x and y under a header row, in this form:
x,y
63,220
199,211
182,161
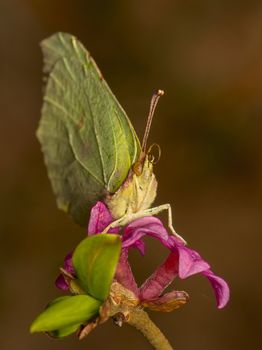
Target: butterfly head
x,y
147,160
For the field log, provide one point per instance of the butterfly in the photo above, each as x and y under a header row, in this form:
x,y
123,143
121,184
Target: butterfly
x,y
90,147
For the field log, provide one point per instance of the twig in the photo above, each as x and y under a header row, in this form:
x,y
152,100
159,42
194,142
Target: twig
x,y
139,319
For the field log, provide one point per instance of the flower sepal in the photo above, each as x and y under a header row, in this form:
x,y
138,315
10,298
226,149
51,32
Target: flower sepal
x,y
167,302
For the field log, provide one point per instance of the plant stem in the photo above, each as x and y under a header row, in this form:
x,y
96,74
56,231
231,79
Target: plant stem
x,y
141,321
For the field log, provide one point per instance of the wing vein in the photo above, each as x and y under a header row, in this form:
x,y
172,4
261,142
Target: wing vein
x,y
57,105
76,49
121,125
57,81
115,154
68,69
97,140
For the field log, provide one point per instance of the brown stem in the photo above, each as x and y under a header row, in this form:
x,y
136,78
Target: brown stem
x,y
141,321
124,306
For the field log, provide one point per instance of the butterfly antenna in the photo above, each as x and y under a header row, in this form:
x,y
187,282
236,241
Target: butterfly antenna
x,y
153,104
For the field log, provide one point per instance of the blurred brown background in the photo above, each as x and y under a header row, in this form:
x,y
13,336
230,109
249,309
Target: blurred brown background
x,y
207,56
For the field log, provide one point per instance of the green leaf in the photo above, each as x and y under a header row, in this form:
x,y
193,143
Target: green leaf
x,y
66,312
88,142
63,332
95,260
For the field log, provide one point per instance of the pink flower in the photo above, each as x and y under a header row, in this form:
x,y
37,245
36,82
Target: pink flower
x,y
181,262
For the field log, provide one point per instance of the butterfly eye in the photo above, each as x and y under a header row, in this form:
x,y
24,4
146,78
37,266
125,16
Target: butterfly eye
x,y
154,153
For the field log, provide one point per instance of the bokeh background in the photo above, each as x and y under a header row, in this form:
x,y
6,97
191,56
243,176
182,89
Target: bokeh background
x,y
207,56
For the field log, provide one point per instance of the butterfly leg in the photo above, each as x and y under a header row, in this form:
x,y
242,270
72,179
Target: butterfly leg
x,y
129,217
124,220
156,210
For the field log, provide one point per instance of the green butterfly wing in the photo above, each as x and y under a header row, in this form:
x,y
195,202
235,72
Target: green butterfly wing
x,y
88,142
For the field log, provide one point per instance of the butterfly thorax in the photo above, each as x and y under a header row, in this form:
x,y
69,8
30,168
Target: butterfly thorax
x,y
136,194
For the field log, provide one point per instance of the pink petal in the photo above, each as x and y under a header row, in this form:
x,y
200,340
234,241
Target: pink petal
x,y
68,264
221,288
100,218
161,278
140,245
146,226
124,274
190,262
61,283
